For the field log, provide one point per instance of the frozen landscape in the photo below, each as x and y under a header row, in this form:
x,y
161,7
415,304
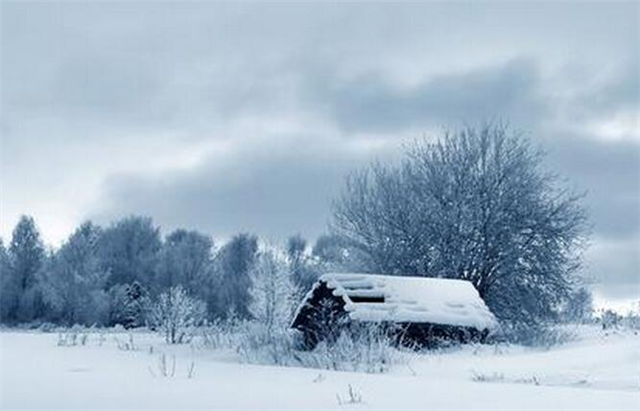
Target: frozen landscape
x,y
361,205
599,371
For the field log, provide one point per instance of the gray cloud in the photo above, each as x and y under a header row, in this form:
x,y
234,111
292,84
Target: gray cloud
x,y
608,173
368,103
280,189
614,268
228,117
274,188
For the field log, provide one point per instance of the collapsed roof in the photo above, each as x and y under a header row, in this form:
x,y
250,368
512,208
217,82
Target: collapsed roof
x,y
401,299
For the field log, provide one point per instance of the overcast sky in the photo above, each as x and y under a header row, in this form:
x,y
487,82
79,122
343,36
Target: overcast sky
x,y
231,117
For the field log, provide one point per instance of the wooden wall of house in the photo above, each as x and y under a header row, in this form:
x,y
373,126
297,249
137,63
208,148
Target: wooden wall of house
x,y
322,317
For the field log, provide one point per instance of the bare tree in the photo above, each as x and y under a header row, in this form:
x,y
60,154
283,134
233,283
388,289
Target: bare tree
x,y
176,314
475,205
274,294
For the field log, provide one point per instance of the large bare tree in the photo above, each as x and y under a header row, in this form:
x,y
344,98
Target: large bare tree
x,y
478,205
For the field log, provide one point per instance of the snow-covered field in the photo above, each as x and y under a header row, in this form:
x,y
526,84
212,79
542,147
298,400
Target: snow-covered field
x,y
598,372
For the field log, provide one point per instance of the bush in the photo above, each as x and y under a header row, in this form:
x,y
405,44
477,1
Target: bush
x,y
362,347
177,315
76,335
221,334
260,344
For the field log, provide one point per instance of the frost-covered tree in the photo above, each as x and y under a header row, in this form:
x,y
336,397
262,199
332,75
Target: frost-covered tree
x,y
118,296
129,249
26,256
274,295
176,314
476,205
296,247
129,305
8,285
334,253
72,280
303,268
232,265
136,306
185,259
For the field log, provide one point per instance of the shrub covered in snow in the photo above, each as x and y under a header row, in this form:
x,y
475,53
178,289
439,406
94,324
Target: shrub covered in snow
x,y
177,315
221,333
361,347
260,345
73,336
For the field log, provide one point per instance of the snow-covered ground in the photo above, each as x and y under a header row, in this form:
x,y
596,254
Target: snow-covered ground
x,y
598,372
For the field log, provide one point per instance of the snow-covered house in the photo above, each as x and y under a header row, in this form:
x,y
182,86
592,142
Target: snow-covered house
x,y
424,309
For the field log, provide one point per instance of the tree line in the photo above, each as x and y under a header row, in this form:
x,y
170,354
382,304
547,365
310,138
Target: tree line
x,y
108,275
476,204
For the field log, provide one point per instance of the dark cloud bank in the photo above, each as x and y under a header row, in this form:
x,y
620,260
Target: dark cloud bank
x,y
285,100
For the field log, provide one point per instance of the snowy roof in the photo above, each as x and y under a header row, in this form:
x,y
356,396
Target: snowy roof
x,y
408,299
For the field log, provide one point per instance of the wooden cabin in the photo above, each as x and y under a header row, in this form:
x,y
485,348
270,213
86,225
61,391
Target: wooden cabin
x,y
421,311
